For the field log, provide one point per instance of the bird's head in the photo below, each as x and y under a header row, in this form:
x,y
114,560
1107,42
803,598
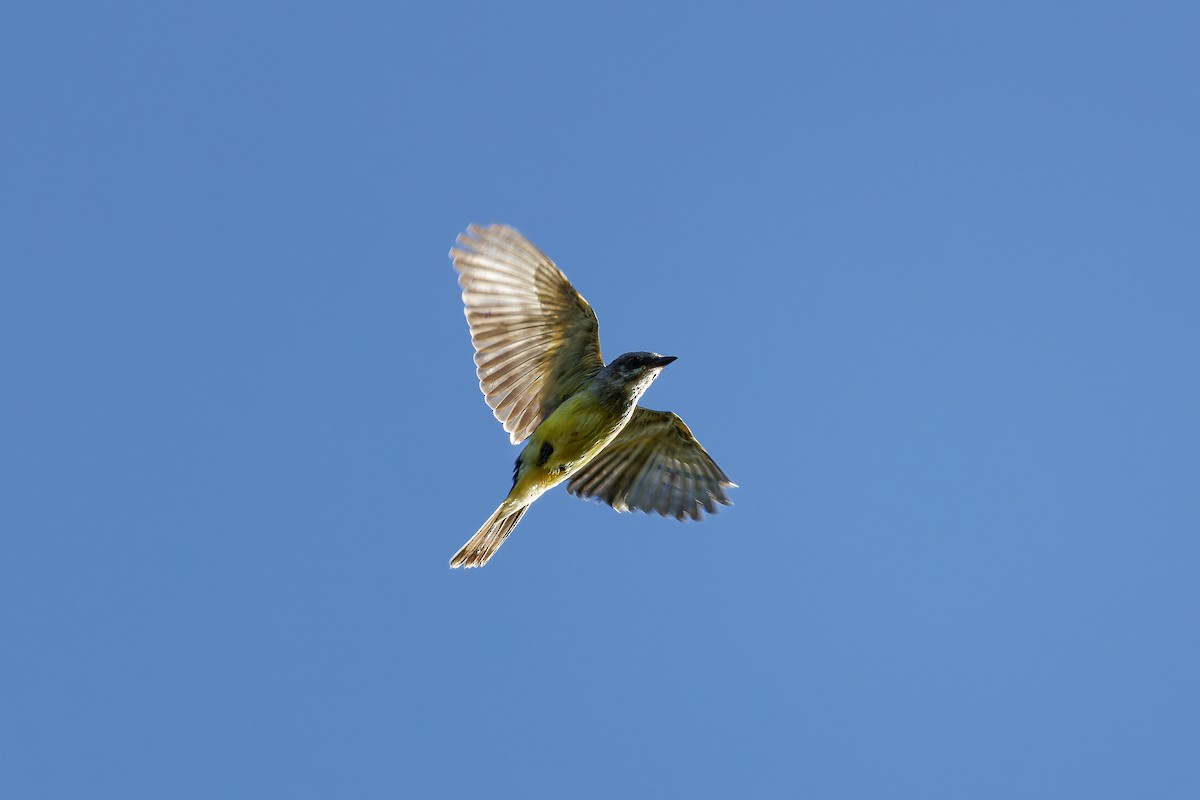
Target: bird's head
x,y
636,371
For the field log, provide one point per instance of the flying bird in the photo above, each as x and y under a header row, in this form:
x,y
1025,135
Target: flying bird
x,y
537,353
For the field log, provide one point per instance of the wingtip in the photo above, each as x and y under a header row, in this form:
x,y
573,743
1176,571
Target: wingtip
x,y
467,237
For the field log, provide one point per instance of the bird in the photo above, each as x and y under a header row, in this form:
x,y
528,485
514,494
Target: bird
x,y
537,356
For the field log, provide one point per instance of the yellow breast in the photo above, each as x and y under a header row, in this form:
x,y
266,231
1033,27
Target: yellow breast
x,y
566,440
577,430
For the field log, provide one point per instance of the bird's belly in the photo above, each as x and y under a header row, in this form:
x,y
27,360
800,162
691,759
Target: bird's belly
x,y
575,433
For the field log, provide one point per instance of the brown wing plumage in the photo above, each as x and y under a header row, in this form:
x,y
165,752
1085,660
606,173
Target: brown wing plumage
x,y
536,339
654,464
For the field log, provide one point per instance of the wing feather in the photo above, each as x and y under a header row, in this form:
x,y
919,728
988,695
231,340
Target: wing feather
x,y
536,339
654,464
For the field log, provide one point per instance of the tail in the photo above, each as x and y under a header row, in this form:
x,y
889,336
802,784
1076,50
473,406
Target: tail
x,y
487,540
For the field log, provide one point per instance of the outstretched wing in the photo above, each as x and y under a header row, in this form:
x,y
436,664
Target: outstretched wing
x,y
536,339
654,464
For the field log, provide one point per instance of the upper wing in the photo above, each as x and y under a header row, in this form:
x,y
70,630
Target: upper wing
x,y
654,464
536,339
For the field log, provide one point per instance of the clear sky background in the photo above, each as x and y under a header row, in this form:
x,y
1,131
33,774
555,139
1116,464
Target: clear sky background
x,y
932,272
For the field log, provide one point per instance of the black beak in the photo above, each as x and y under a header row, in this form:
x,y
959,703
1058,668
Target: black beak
x,y
662,361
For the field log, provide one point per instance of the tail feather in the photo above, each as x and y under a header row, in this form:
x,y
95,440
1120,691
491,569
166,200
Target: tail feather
x,y
487,540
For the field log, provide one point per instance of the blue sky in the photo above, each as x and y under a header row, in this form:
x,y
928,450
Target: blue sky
x,y
931,272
